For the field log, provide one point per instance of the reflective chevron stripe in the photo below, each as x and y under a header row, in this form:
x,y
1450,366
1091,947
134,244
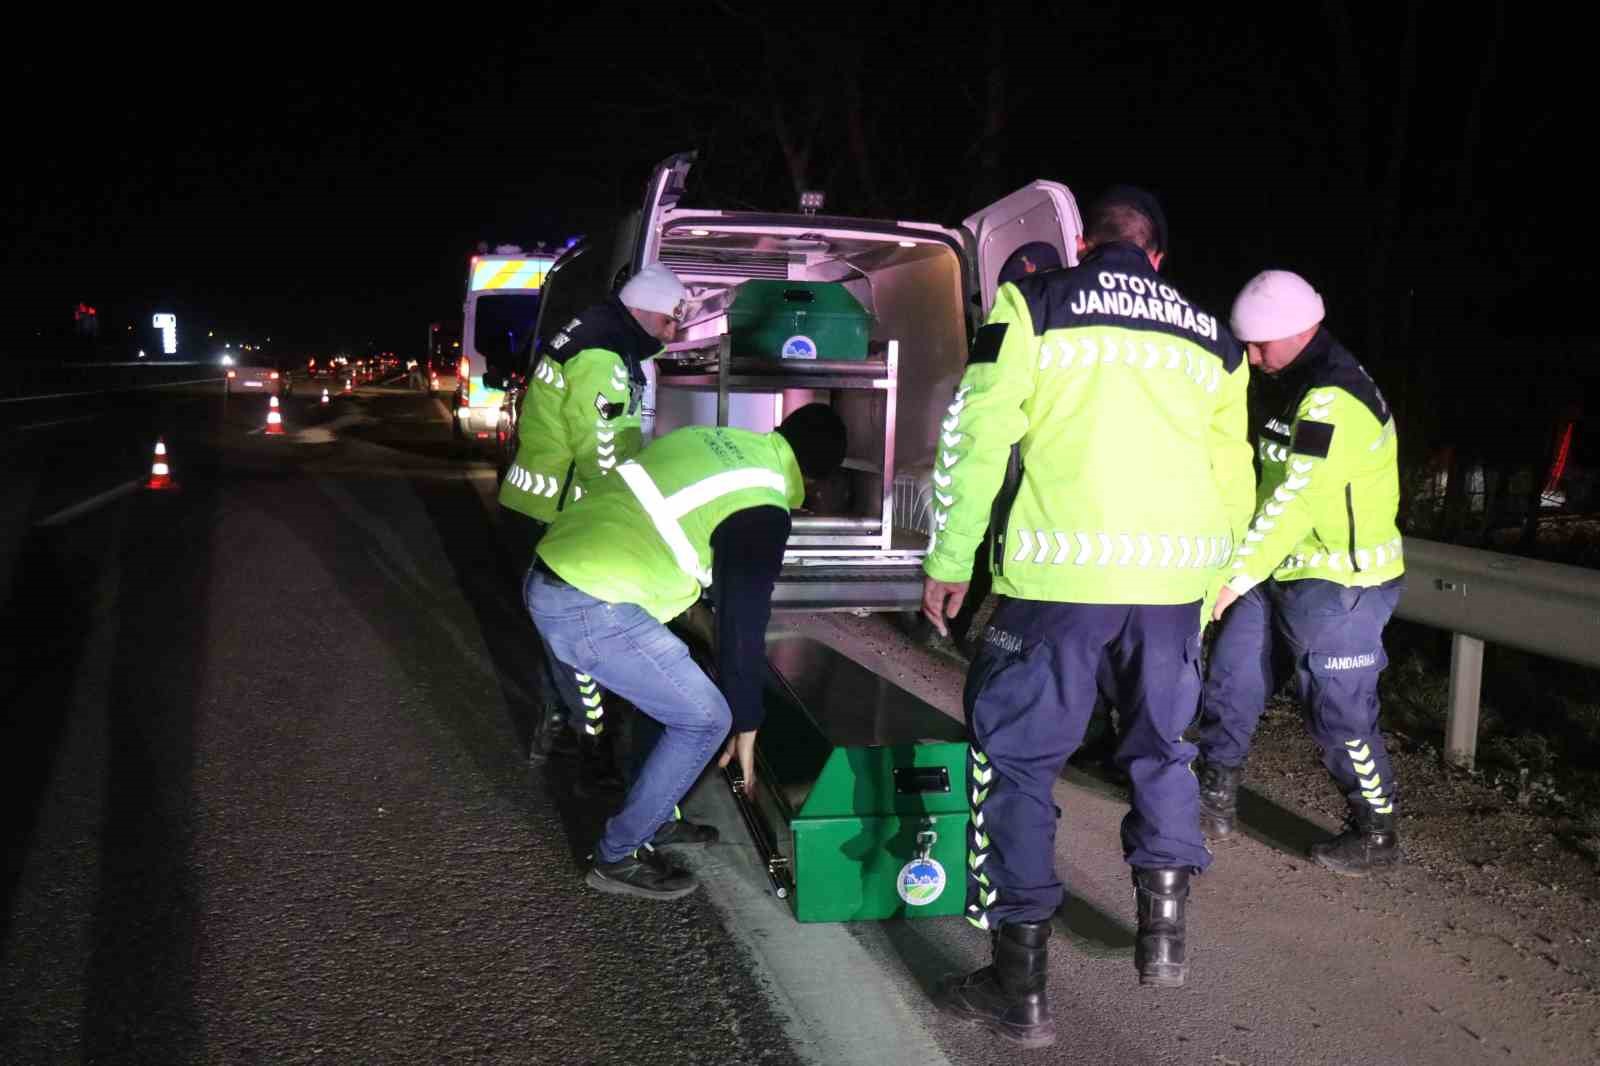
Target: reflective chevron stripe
x,y
1058,547
547,373
981,894
1367,777
1061,353
945,461
537,484
591,697
1390,551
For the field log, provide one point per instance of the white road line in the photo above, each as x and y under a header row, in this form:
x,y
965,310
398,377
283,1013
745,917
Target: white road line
x,y
60,421
67,514
107,392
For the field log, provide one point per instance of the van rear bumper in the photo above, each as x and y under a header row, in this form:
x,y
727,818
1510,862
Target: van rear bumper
x,y
879,587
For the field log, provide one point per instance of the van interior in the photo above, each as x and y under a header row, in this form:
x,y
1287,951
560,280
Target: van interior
x,y
908,280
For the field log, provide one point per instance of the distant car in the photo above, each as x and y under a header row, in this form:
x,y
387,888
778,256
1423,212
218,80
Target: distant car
x,y
268,380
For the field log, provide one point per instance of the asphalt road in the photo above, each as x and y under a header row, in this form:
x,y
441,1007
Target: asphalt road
x,y
266,800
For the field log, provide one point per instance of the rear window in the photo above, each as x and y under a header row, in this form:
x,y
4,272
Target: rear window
x,y
502,324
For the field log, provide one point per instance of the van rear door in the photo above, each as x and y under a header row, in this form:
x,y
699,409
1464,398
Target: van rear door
x,y
661,195
1042,211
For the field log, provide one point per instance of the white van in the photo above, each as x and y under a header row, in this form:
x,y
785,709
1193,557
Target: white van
x,y
924,287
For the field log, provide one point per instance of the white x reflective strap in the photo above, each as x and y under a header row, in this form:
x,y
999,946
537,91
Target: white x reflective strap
x,y
667,511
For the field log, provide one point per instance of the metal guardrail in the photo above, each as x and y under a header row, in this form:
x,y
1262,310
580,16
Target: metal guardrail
x,y
1480,596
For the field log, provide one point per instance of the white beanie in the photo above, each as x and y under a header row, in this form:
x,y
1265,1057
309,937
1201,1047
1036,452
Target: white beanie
x,y
1273,305
655,288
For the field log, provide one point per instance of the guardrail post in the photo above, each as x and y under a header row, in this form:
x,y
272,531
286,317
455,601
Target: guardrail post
x,y
1466,684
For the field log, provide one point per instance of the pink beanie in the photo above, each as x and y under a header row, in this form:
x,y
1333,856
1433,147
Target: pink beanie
x,y
1273,305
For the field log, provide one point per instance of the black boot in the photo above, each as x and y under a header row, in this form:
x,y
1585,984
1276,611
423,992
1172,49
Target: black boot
x,y
1369,842
1219,798
552,737
598,776
1008,997
1159,898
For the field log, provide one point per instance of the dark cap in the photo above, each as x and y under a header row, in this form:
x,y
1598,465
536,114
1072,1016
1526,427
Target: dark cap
x,y
816,435
1140,200
1035,257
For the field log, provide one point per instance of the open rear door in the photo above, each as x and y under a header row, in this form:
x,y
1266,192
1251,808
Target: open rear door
x,y
1043,211
661,195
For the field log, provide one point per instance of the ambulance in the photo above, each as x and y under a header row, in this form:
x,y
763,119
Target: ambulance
x,y
498,318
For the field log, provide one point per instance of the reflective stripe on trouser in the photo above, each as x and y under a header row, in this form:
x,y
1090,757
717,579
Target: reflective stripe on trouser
x,y
1029,697
1333,636
558,684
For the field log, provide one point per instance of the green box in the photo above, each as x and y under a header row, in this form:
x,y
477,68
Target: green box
x,y
798,320
854,770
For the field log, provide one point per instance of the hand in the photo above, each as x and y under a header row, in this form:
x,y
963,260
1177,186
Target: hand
x,y
744,746
941,600
1225,598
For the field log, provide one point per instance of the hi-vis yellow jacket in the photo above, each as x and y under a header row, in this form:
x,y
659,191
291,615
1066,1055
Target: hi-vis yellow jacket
x,y
1128,405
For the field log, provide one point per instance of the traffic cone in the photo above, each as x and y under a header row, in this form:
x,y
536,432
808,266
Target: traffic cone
x,y
346,384
324,395
274,419
160,473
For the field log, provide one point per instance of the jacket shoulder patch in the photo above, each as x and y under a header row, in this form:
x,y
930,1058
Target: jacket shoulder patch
x,y
606,408
986,347
1313,439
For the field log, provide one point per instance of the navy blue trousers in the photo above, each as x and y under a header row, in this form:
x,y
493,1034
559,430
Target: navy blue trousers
x,y
1029,698
1331,639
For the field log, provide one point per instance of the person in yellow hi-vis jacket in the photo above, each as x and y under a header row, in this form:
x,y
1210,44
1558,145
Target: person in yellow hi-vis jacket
x,y
1318,575
580,419
1128,407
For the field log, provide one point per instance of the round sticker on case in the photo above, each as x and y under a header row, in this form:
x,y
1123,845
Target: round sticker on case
x,y
921,881
799,347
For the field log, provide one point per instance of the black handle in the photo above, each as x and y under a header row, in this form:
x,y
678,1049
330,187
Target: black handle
x,y
916,779
799,296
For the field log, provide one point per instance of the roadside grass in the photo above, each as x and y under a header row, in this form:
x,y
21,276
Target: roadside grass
x,y
1538,731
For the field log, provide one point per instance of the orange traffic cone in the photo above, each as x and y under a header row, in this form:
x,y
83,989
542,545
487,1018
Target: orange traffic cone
x,y
324,395
160,473
274,419
346,384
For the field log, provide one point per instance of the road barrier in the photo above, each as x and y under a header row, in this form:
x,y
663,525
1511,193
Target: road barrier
x,y
1480,596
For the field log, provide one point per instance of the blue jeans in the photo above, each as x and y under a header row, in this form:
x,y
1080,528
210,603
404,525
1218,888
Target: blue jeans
x,y
630,653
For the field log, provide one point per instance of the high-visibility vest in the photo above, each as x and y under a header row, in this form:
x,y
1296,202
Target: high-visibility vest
x,y
643,536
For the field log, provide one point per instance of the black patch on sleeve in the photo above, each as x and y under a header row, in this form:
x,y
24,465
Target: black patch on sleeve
x,y
986,348
608,410
1313,439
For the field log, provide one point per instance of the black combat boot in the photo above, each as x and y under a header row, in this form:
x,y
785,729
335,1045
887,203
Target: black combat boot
x,y
552,737
1369,842
1008,997
1159,897
1219,798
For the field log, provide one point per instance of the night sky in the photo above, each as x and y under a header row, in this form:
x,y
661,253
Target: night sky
x,y
325,187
